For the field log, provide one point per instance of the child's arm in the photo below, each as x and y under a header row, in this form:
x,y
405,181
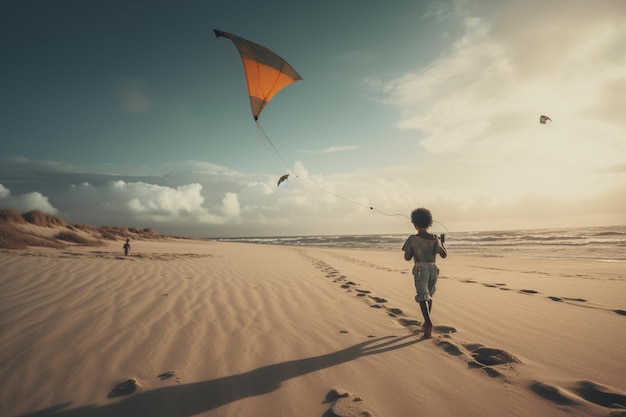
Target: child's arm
x,y
441,250
408,252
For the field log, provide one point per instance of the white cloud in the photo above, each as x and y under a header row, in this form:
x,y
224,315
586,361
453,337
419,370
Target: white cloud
x,y
25,202
479,104
201,168
227,203
141,202
333,149
4,192
230,205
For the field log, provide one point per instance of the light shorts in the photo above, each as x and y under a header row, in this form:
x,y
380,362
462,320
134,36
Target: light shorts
x,y
425,275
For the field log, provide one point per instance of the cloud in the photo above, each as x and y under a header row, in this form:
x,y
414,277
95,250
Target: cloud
x,y
144,203
210,200
566,65
25,202
479,103
198,198
334,149
230,204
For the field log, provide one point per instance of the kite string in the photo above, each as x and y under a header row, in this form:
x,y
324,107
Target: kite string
x,y
260,129
311,184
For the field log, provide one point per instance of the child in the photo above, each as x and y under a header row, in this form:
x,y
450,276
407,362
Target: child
x,y
423,249
126,247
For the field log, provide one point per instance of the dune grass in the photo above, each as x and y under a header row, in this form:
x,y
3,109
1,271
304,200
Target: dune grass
x,y
73,237
14,234
13,237
9,215
42,219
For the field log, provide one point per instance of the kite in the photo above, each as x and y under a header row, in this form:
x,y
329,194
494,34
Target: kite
x,y
266,72
282,179
543,119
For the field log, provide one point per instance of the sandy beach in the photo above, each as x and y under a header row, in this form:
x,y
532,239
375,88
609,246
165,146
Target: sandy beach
x,y
189,327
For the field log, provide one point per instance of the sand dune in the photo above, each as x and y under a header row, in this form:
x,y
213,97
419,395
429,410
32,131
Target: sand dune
x,y
185,328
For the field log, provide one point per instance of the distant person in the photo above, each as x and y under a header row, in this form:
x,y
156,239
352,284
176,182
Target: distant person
x,y
126,247
423,249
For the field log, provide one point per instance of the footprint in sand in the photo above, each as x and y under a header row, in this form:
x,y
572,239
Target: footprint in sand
x,y
620,312
600,395
345,404
489,356
408,322
559,299
482,357
493,373
444,329
529,291
395,312
449,347
550,392
125,388
170,374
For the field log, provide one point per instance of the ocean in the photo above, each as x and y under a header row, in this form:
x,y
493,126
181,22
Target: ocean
x,y
594,243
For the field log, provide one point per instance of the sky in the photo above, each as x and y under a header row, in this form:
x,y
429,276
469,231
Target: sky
x,y
132,113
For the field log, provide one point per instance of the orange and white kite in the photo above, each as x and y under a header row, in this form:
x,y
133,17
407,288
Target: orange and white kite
x,y
266,72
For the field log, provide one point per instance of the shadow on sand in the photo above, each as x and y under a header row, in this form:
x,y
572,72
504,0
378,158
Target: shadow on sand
x,y
191,399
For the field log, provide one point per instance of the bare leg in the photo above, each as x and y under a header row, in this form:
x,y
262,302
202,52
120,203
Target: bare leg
x,y
428,325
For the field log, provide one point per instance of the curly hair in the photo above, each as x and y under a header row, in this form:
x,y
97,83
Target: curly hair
x,y
421,217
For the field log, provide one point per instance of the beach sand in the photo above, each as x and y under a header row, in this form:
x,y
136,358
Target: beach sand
x,y
187,328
